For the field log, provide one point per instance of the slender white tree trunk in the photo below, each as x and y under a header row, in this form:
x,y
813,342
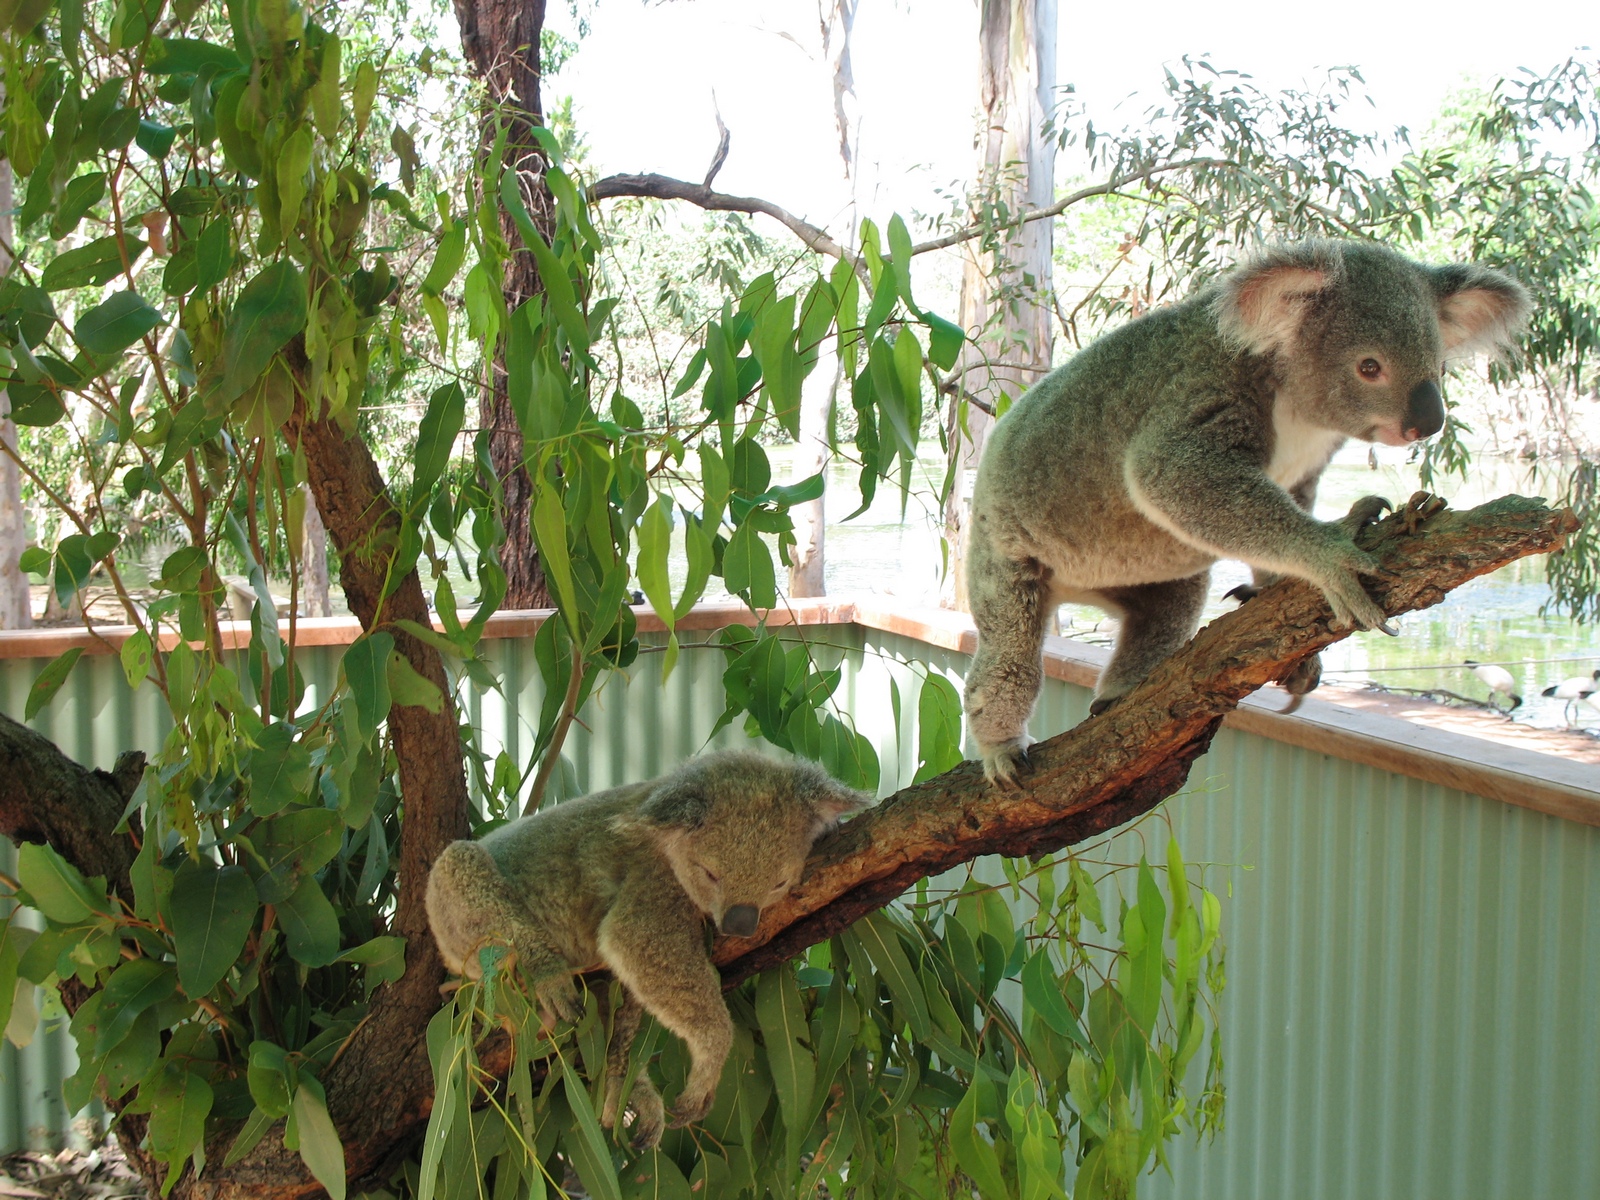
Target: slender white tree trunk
x,y
806,571
16,610
1005,289
314,563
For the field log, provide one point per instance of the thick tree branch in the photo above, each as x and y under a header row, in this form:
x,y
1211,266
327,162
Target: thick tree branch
x,y
46,797
1114,767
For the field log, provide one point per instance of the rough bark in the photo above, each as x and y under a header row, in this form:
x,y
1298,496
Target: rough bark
x,y
1094,777
1005,291
501,41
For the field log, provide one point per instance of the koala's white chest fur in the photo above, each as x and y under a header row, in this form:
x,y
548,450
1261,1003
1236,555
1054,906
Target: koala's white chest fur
x,y
1299,448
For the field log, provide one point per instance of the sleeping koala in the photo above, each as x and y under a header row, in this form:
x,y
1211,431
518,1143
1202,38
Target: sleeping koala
x,y
625,879
1198,432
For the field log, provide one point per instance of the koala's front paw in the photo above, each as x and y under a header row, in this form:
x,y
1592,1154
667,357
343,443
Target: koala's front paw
x,y
558,999
1366,511
1352,607
649,1119
691,1107
1003,763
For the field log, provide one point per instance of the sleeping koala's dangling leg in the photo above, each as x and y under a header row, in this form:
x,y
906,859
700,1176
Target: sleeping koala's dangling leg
x,y
1010,602
1157,618
649,1118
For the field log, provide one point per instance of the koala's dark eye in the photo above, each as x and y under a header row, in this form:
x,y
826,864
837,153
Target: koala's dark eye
x,y
1370,368
709,873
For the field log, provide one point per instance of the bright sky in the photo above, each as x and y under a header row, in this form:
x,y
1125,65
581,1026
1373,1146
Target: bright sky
x,y
645,78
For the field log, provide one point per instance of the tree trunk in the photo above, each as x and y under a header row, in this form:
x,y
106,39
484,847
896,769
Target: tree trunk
x,y
808,570
501,41
1005,288
314,599
16,606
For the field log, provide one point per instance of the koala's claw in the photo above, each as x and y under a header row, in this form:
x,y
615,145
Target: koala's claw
x,y
689,1109
1419,508
1245,591
558,999
1004,762
1366,511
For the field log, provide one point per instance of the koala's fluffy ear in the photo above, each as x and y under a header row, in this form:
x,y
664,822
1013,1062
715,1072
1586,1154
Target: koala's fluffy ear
x,y
1261,305
833,800
1479,309
677,804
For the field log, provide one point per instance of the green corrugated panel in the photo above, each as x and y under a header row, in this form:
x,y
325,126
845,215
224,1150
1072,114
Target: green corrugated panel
x,y
1413,972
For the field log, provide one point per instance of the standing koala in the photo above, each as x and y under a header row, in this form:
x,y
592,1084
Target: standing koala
x,y
624,879
1198,432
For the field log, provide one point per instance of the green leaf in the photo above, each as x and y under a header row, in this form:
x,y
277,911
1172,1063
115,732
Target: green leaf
x,y
279,769
550,531
384,957
319,1141
249,1136
292,847
436,437
408,687
213,255
136,655
447,259
783,1025
366,667
268,313
747,568
49,681
182,1101
938,728
973,1152
114,325
944,341
310,926
591,1155
212,910
182,56
269,1078
655,542
90,265
132,988
1042,991
58,888
881,941
654,1176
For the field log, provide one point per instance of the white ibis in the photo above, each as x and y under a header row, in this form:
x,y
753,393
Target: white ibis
x,y
1579,687
1496,679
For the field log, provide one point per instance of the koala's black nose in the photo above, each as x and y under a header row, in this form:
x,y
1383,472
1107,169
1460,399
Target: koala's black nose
x,y
1424,411
740,920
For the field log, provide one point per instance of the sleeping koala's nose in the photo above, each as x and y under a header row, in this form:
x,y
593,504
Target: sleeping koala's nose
x,y
1424,411
740,920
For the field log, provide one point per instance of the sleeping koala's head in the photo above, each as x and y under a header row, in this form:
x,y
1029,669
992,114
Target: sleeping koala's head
x,y
1359,335
736,828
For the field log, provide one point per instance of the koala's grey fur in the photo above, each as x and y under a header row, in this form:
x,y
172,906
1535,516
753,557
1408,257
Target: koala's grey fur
x,y
625,879
1198,432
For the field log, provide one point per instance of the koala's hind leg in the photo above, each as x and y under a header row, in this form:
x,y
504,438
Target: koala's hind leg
x,y
1157,618
653,942
649,1119
1010,602
471,906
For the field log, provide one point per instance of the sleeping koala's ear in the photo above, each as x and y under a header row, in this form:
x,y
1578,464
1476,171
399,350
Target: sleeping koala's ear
x,y
831,800
676,804
1261,305
1479,308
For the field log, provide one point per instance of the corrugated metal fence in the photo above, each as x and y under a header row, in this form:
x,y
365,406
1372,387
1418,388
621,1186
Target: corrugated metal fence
x,y
1413,1000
